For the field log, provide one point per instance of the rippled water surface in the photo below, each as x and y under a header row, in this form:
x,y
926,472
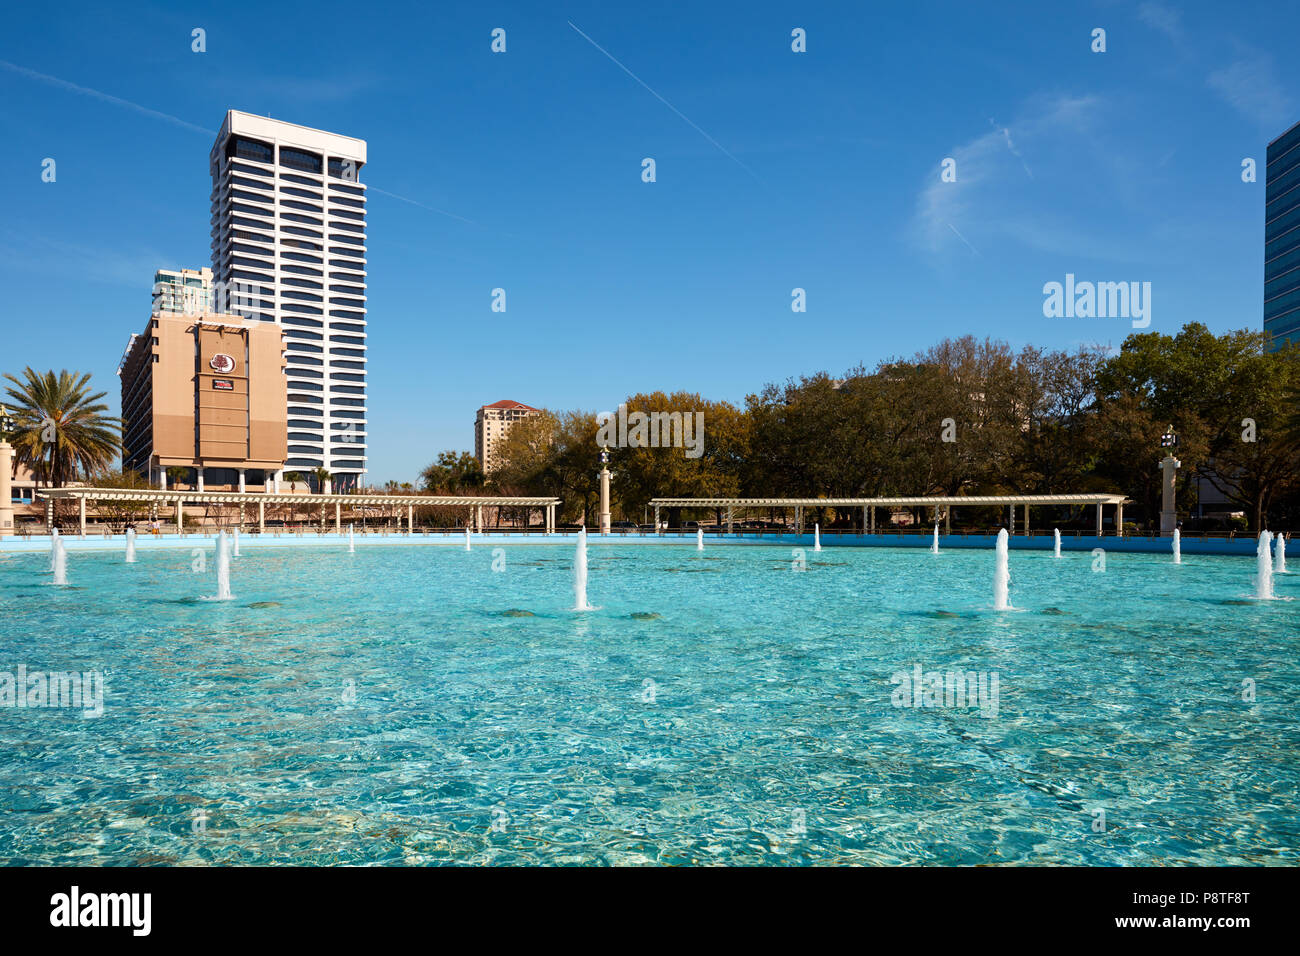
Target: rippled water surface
x,y
412,705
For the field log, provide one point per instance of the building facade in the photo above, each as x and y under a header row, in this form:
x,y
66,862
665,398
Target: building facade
x,y
490,427
289,249
1282,239
183,290
205,393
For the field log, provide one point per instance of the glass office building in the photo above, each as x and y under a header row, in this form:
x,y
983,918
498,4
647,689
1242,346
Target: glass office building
x,y
1282,239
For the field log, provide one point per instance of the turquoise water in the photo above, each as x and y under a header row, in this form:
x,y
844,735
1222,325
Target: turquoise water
x,y
399,705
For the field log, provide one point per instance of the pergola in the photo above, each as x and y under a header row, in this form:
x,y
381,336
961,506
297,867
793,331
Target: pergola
x,y
178,499
945,503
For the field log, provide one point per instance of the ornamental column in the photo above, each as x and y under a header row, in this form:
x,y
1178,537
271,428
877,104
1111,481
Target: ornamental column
x,y
6,489
604,491
1169,466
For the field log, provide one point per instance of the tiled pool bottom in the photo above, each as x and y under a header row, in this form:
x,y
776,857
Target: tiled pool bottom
x,y
414,705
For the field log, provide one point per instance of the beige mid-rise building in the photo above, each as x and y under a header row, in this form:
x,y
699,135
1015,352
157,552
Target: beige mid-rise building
x,y
490,427
205,392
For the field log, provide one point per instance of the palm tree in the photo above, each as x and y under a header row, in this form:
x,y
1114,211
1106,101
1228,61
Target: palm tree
x,y
322,476
293,477
176,474
60,429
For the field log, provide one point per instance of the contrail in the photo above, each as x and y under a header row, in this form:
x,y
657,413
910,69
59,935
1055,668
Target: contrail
x,y
441,212
156,114
724,150
106,97
963,239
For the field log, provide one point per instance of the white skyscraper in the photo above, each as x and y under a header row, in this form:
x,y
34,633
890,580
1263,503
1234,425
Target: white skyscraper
x,y
289,233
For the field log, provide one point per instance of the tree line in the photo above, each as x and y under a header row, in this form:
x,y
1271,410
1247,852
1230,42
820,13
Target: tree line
x,y
964,417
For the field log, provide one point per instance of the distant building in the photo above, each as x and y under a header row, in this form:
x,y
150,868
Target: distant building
x,y
490,427
1282,239
205,392
183,290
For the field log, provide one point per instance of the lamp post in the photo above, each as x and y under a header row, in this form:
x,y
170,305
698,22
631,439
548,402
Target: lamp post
x,y
1169,466
604,490
6,474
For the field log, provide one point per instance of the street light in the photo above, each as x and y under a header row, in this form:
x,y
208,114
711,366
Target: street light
x,y
6,423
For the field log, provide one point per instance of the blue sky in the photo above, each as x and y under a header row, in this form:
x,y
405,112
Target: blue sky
x,y
775,170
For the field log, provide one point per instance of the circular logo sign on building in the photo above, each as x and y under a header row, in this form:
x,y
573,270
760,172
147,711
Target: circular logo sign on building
x,y
222,363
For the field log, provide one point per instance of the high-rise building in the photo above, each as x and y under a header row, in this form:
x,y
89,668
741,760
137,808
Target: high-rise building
x,y
490,427
203,392
1282,239
289,247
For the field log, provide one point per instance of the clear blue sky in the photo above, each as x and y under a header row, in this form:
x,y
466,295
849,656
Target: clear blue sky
x,y
775,170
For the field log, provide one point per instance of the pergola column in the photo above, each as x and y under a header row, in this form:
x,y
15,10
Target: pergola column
x,y
1119,518
1099,519
730,519
656,519
1026,521
410,519
478,519
338,517
261,517
798,519
1011,519
864,519
82,502
180,515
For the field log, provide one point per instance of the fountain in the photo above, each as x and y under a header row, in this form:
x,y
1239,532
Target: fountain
x,y
130,545
467,544
1279,556
934,545
817,536
1264,567
352,547
1056,541
580,573
223,568
1178,547
58,559
235,553
1001,574
699,539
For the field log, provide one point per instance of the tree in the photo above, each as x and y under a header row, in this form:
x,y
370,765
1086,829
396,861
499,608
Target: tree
x,y
60,429
293,477
552,454
176,474
453,473
121,513
709,466
321,475
1224,395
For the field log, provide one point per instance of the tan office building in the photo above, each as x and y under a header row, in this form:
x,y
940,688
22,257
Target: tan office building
x,y
490,427
207,393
